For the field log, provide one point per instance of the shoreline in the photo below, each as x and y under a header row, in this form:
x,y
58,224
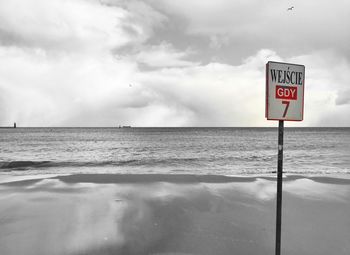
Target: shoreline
x,y
118,178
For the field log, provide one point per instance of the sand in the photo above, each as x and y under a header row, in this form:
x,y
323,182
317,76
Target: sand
x,y
172,214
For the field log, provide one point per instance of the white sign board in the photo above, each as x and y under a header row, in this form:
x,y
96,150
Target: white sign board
x,y
284,91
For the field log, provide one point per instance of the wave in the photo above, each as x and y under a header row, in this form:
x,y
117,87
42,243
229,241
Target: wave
x,y
175,165
22,164
141,162
26,165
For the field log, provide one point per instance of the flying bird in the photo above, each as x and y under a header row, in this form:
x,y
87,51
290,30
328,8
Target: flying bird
x,y
290,8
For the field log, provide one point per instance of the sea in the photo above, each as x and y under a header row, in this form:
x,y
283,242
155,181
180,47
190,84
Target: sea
x,y
202,151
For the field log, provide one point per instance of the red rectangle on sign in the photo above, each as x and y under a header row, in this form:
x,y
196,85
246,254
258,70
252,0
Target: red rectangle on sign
x,y
286,92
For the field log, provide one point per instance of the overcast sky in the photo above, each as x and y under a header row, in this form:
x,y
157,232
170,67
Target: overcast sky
x,y
167,62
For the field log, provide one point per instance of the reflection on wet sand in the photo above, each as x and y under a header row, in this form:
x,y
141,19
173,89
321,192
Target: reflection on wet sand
x,y
103,214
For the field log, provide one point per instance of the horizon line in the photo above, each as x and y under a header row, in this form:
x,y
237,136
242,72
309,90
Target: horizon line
x,y
128,127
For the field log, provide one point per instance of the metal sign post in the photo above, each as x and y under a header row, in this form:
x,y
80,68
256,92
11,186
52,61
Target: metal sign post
x,y
284,101
279,187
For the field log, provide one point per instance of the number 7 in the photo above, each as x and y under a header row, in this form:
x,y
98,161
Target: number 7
x,y
286,109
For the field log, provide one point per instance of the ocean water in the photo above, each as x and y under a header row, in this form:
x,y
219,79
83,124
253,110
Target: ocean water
x,y
219,151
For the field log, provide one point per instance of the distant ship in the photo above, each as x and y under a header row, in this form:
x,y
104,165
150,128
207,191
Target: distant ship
x,y
124,126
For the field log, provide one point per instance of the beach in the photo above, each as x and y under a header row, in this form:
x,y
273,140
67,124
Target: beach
x,y
174,127
172,214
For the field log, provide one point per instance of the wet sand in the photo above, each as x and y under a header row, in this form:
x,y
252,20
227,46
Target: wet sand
x,y
172,214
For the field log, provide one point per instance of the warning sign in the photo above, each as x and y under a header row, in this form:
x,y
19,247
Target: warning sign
x,y
284,91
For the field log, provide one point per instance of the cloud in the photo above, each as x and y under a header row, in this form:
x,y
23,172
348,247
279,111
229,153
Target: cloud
x,y
108,91
77,25
212,95
343,97
57,61
163,55
44,91
252,25
143,19
218,41
326,88
219,94
62,25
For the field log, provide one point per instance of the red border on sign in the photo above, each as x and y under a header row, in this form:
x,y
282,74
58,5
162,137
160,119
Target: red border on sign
x,y
267,91
268,88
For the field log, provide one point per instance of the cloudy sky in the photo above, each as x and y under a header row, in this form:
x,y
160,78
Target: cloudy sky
x,y
168,63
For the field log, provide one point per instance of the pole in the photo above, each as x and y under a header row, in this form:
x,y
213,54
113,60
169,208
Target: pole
x,y
279,187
